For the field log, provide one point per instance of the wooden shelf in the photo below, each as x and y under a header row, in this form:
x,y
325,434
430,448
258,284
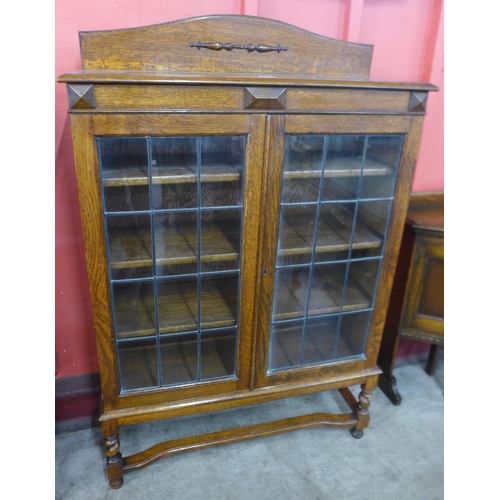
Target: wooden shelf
x,y
125,176
179,358
132,248
326,297
138,176
339,167
296,236
129,248
177,306
318,347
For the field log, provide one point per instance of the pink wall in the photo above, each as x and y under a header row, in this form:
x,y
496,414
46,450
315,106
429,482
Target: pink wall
x,y
408,40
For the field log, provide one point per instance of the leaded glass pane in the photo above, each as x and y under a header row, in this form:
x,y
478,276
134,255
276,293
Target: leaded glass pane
x,y
124,174
173,221
138,364
336,202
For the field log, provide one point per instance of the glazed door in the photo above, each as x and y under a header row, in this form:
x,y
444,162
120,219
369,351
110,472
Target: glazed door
x,y
180,203
331,185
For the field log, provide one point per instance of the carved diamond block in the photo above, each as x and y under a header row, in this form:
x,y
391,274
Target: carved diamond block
x,y
418,101
81,96
264,98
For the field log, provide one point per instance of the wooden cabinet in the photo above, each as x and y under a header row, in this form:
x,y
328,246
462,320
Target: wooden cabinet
x,y
416,308
242,209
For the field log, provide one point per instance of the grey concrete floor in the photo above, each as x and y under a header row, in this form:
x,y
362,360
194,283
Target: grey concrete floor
x,y
400,457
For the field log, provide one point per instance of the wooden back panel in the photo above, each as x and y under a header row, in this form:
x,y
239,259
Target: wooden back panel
x,y
166,47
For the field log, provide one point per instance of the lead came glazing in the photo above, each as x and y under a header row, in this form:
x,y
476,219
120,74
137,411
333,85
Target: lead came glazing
x,y
173,219
336,202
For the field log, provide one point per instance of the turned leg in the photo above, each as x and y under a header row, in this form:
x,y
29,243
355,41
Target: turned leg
x,y
114,460
361,409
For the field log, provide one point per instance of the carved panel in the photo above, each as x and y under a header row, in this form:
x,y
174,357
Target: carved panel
x,y
81,96
264,98
418,101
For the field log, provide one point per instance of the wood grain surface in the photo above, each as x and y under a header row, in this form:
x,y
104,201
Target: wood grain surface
x,y
144,49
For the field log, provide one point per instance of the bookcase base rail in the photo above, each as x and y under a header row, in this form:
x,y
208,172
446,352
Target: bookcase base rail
x,y
356,421
164,449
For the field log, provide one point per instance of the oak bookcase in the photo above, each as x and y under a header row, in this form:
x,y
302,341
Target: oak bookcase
x,y
243,190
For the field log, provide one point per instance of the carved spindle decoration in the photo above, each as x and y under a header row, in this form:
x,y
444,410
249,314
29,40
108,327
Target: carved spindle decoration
x,y
265,48
230,46
112,447
364,402
113,461
362,414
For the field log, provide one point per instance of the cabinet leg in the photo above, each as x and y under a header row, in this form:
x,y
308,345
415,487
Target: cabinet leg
x,y
387,384
361,411
114,461
430,367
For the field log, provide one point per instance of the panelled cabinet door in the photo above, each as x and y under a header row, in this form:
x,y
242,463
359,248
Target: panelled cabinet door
x,y
424,311
331,188
179,210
